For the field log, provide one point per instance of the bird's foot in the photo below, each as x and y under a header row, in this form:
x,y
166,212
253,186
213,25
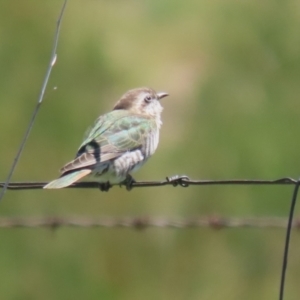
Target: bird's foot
x,y
128,182
105,187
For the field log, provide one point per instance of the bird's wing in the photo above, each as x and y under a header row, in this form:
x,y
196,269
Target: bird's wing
x,y
103,123
112,136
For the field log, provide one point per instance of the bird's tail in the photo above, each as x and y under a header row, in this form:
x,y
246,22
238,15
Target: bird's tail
x,y
67,180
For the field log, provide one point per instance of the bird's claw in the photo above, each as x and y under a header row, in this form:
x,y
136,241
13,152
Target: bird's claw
x,y
128,182
105,187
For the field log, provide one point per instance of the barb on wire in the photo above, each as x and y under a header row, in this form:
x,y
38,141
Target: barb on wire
x,y
39,102
183,181
213,222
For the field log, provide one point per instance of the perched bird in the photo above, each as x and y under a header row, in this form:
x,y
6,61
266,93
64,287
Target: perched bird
x,y
119,142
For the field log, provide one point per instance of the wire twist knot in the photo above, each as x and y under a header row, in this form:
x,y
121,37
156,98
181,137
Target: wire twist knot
x,y
179,180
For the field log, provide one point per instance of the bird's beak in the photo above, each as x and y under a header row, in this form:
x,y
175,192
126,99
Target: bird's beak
x,y
161,95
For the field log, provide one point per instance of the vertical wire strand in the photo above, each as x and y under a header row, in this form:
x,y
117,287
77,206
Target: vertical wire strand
x,y
287,240
39,102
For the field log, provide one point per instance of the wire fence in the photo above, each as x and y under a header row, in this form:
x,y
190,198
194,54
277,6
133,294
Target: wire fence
x,y
213,222
177,180
144,222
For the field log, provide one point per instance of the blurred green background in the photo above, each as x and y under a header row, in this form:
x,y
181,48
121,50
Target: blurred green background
x,y
232,69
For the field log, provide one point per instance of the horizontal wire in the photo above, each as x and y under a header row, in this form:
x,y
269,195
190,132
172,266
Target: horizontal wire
x,y
213,222
183,181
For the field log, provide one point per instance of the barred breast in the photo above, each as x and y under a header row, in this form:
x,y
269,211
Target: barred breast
x,y
132,160
151,143
116,170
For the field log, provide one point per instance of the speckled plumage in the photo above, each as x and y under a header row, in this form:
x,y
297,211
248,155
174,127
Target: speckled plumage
x,y
119,142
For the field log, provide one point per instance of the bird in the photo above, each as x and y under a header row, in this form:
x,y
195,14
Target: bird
x,y
120,142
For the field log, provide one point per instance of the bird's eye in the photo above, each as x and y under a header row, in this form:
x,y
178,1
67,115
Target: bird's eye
x,y
148,99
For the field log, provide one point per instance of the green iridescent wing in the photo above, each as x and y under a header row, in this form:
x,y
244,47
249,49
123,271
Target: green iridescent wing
x,y
102,124
112,135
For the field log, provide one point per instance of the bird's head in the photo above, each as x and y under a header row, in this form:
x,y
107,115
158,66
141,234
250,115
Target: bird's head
x,y
142,101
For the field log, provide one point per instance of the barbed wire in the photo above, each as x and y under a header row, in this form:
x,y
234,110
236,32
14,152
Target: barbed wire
x,y
177,180
213,222
142,222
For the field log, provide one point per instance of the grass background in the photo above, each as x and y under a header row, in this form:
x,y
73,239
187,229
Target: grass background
x,y
232,69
